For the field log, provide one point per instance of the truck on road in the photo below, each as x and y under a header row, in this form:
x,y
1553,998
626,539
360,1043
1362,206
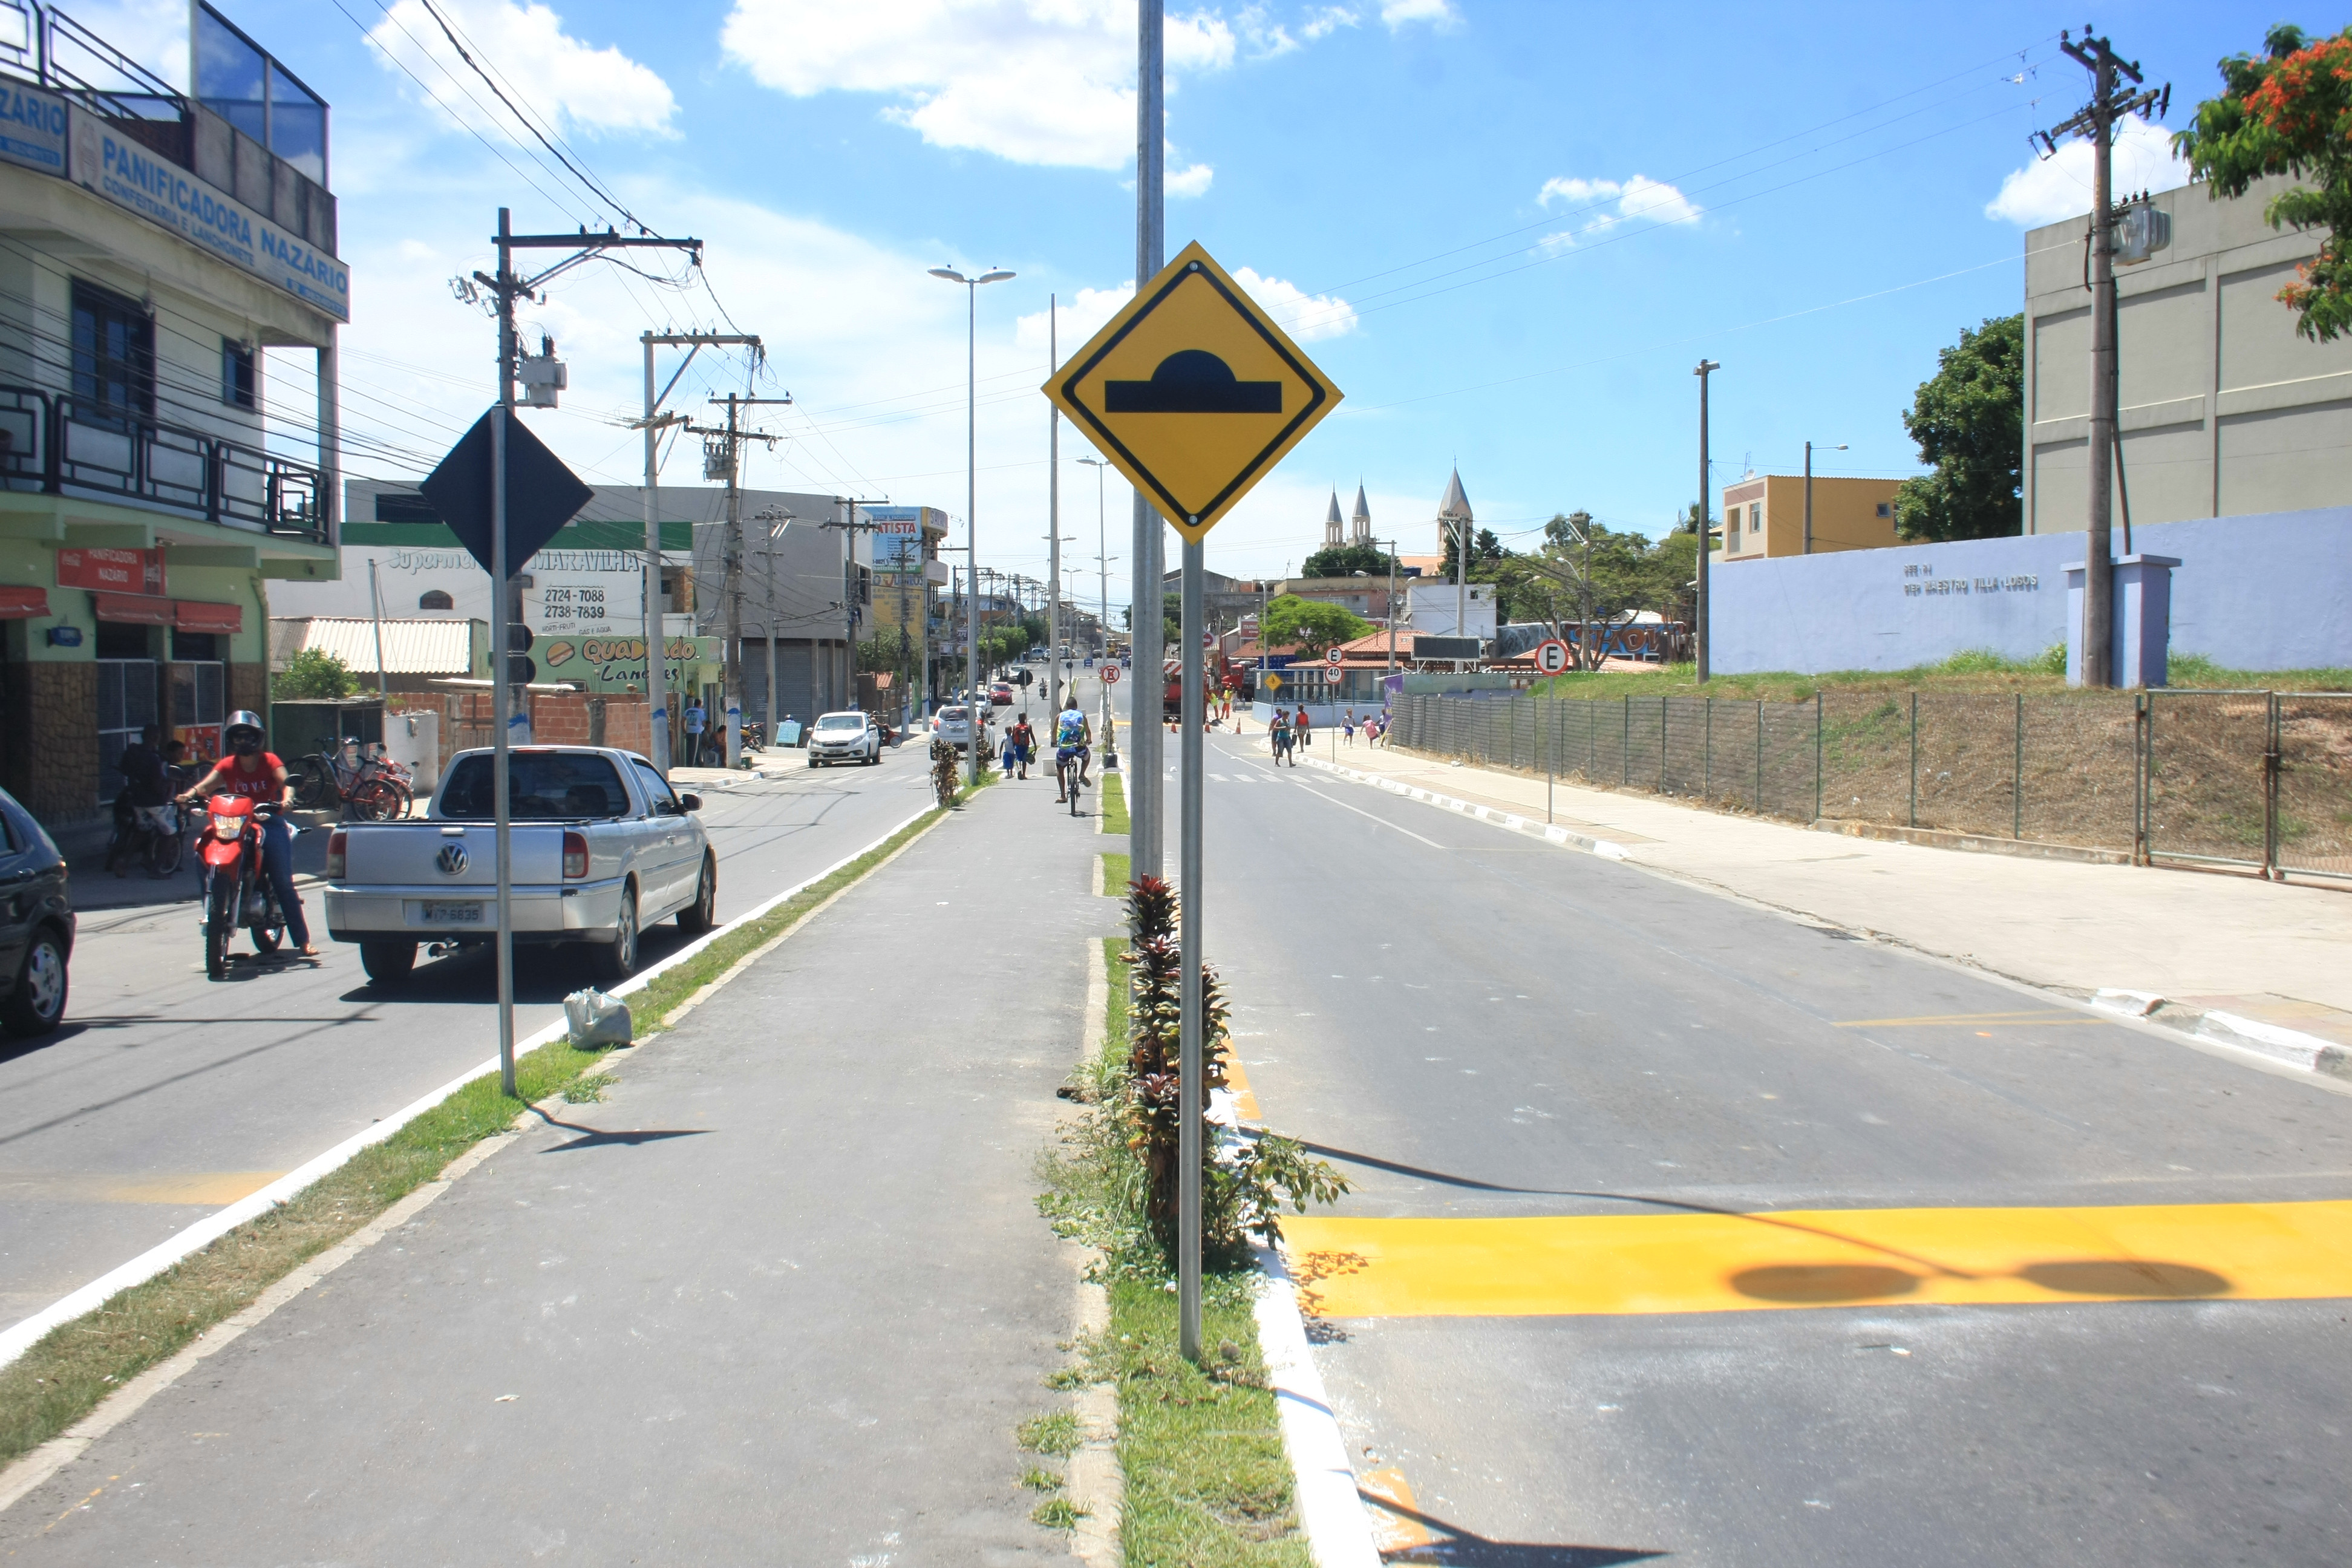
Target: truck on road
x,y
600,846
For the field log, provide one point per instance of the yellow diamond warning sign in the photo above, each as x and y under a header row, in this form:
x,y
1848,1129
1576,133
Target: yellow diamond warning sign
x,y
1193,392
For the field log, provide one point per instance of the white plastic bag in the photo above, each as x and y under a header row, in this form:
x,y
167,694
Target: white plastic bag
x,y
596,1019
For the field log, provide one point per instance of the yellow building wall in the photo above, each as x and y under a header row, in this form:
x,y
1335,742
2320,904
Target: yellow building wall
x,y
1847,515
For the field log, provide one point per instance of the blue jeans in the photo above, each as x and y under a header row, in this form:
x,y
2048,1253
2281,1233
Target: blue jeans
x,y
277,865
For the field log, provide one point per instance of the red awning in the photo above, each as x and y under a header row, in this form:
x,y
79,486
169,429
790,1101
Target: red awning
x,y
196,615
136,609
23,603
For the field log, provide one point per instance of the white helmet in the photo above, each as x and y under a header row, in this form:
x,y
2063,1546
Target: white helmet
x,y
243,719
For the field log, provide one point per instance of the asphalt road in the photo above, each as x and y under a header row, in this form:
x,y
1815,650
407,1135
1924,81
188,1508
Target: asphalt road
x,y
1686,1230
784,1297
166,1095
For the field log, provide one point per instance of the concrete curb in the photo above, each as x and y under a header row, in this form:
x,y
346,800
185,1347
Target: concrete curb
x,y
21,1337
1338,1531
1975,843
1549,832
1097,1485
2309,1053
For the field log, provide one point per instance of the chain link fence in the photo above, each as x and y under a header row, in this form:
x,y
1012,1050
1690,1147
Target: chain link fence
x,y
2257,779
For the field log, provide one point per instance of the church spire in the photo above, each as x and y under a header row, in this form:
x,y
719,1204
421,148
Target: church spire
x,y
1454,511
1331,524
1362,527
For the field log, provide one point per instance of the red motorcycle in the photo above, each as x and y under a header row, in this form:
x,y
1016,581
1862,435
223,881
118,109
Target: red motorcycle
x,y
237,889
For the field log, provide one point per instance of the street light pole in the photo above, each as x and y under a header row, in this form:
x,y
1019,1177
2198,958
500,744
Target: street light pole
x,y
1699,648
1102,572
971,487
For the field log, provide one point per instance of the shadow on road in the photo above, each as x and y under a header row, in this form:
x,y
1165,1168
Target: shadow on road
x,y
1461,1549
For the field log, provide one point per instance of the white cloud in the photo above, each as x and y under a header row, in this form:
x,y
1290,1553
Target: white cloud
x,y
1304,316
1398,13
1605,204
2049,189
1189,181
550,72
1036,81
1076,320
1327,21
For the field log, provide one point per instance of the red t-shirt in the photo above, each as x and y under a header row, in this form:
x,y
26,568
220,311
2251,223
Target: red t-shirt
x,y
259,785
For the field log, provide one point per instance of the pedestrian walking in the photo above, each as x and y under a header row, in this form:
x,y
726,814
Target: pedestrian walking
x,y
1348,729
1305,728
696,719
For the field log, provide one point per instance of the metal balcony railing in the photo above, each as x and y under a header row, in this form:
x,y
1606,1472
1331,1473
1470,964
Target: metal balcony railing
x,y
49,443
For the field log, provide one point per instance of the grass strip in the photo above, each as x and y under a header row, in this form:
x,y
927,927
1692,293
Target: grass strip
x,y
70,1370
1117,871
1975,671
1207,1481
1113,805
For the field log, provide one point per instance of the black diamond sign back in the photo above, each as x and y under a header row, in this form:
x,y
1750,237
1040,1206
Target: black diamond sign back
x,y
542,495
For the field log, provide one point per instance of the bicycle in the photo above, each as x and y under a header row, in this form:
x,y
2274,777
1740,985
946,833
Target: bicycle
x,y
1067,778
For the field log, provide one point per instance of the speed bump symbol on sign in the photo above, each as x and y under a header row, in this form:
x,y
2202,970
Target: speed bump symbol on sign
x,y
1193,392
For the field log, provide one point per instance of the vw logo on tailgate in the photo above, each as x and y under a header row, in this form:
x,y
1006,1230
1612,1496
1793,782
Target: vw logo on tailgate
x,y
452,859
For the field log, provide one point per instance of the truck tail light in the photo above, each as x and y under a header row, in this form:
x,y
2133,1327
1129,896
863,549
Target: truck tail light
x,y
335,856
575,857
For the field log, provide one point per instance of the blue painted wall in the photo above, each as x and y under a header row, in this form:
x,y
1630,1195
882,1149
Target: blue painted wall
x,y
2267,592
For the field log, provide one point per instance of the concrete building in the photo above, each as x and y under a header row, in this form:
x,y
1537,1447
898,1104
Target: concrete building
x,y
2225,411
1764,515
153,245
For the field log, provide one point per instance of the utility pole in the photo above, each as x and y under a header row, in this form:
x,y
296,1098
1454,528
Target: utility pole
x,y
1393,567
653,424
732,437
1808,491
2110,101
1699,648
1054,509
507,287
1146,727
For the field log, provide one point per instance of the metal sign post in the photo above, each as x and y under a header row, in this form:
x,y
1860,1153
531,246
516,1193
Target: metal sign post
x,y
1194,395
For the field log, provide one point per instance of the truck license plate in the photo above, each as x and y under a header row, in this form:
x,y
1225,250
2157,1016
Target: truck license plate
x,y
439,913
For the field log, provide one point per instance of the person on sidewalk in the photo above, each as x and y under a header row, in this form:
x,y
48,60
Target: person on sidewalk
x,y
695,720
1305,727
1277,734
1024,741
1348,729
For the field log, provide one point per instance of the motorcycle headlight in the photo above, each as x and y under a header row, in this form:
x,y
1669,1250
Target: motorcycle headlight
x,y
228,824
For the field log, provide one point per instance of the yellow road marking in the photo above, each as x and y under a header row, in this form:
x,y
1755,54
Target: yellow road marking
x,y
1990,1020
207,1189
1372,1267
1389,1503
1237,1080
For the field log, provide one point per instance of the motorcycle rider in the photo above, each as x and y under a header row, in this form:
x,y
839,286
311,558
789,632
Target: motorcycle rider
x,y
245,769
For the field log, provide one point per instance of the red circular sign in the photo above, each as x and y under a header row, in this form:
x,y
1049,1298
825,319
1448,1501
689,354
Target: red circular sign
x,y
1332,656
1110,674
1552,657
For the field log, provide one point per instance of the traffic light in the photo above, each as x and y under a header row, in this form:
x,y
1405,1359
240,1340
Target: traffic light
x,y
520,669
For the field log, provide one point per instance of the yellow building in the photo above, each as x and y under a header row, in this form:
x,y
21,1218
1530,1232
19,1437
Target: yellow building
x,y
1764,514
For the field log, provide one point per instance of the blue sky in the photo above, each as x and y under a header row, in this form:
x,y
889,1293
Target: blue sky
x,y
1507,230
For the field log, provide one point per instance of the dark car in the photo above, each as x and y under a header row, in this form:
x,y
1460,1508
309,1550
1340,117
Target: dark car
x,y
37,924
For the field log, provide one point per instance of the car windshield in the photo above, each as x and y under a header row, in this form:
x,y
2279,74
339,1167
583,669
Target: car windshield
x,y
841,722
954,715
541,787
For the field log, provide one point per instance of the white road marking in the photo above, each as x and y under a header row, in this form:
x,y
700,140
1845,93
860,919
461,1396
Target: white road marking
x,y
1383,821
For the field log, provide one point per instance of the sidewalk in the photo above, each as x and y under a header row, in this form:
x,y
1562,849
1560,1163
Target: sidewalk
x,y
2275,953
782,1298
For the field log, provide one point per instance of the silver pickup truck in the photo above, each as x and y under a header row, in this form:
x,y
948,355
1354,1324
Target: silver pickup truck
x,y
600,846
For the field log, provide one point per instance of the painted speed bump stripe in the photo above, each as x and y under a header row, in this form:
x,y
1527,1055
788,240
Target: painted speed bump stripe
x,y
1604,1264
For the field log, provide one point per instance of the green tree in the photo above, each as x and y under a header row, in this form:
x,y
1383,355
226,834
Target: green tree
x,y
1309,625
1346,561
313,675
2289,112
1970,422
1485,548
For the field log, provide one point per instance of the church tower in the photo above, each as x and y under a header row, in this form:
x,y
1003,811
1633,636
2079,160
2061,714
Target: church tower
x,y
1453,512
1331,540
1361,531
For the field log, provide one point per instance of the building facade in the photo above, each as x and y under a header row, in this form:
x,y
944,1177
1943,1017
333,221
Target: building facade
x,y
2224,410
1764,515
153,245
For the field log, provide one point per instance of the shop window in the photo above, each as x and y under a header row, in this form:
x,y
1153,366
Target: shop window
x,y
126,704
113,355
434,599
120,639
197,644
198,701
240,380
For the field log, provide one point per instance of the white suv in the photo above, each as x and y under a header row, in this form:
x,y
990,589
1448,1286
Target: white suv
x,y
850,737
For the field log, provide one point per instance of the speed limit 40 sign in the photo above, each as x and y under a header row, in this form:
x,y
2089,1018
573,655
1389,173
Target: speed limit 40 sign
x,y
1552,657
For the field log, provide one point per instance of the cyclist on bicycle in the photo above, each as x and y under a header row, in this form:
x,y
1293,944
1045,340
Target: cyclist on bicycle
x,y
1072,741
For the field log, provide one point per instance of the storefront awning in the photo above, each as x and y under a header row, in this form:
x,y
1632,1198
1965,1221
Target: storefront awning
x,y
23,603
132,609
197,615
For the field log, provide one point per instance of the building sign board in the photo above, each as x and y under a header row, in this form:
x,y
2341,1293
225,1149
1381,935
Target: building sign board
x,y
130,176
111,571
1193,392
607,667
32,128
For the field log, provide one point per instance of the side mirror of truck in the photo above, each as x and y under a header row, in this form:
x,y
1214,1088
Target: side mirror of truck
x,y
690,802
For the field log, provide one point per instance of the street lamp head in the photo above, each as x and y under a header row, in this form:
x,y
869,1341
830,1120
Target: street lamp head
x,y
998,275
950,274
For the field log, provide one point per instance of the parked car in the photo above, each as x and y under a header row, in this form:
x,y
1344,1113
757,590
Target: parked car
x,y
844,737
601,847
37,924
